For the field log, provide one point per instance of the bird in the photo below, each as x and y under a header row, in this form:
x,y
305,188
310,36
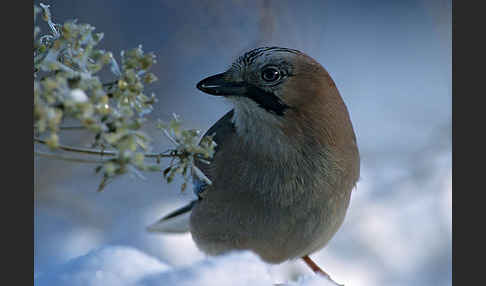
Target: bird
x,y
285,163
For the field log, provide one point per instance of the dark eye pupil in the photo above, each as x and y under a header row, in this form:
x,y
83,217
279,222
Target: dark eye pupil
x,y
270,74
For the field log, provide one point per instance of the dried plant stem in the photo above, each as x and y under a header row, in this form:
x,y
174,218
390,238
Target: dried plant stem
x,y
72,128
65,158
104,152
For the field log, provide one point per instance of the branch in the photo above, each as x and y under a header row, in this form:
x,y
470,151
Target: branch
x,y
107,153
72,128
69,159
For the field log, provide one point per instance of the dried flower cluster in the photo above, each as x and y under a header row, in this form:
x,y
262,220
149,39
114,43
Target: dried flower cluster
x,y
68,88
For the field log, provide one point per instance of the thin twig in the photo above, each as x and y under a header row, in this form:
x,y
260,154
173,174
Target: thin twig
x,y
70,159
110,84
72,127
79,150
106,153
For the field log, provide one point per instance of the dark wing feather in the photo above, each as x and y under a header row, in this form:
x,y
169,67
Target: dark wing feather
x,y
221,130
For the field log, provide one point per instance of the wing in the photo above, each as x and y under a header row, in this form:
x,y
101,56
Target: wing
x,y
178,220
221,130
175,222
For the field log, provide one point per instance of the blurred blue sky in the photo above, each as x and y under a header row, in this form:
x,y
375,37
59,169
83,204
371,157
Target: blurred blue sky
x,y
391,61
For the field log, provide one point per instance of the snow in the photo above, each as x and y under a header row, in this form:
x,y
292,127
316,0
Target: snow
x,y
78,95
110,265
127,266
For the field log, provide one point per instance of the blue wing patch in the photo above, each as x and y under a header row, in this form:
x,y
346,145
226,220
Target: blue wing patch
x,y
199,186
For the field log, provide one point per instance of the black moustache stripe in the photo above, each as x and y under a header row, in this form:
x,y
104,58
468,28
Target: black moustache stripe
x,y
267,100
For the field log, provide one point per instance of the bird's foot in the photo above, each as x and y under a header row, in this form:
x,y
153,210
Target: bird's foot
x,y
317,269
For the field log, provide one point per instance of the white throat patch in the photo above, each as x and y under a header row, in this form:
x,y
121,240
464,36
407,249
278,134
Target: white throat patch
x,y
258,127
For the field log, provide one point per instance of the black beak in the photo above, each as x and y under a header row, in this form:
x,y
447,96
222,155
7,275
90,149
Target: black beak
x,y
222,85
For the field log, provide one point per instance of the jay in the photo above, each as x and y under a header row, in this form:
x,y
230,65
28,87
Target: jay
x,y
285,164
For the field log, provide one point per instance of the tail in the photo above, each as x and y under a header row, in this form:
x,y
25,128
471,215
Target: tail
x,y
175,222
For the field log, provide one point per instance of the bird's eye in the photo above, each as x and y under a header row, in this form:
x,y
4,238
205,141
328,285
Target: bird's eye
x,y
270,74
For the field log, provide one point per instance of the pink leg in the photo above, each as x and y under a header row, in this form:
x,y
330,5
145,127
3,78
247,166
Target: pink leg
x,y
316,268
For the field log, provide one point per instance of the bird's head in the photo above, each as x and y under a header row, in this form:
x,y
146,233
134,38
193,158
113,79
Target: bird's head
x,y
282,91
273,79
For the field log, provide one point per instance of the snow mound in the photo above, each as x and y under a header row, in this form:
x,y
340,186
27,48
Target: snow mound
x,y
127,266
